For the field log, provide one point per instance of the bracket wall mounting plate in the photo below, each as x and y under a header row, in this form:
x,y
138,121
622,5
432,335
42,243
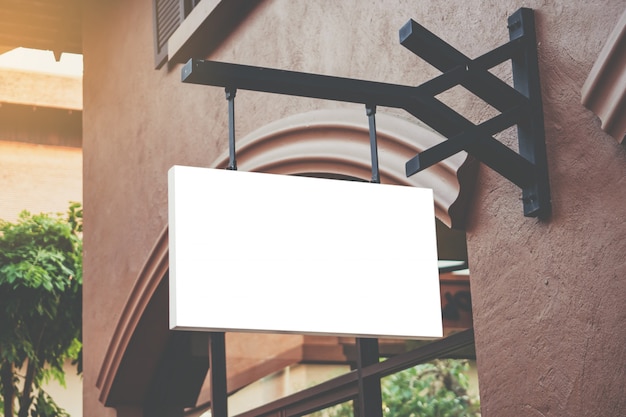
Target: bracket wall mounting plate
x,y
518,105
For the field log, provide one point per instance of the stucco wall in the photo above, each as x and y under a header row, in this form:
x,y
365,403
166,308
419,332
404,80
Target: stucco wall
x,y
543,349
548,297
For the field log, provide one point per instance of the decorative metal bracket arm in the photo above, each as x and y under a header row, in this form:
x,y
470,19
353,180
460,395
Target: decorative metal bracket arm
x,y
519,105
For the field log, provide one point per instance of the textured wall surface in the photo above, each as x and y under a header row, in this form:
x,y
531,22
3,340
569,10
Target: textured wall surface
x,y
547,296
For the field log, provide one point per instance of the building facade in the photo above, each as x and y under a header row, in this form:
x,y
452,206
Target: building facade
x,y
41,164
546,294
40,140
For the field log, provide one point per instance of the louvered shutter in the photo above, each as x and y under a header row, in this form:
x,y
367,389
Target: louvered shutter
x,y
168,14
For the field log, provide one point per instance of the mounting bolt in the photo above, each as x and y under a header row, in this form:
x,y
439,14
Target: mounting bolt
x,y
514,25
230,93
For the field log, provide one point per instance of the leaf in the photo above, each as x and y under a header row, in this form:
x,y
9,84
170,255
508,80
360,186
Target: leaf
x,y
41,297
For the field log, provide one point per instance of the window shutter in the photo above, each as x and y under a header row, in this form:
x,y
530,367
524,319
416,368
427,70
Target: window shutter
x,y
168,14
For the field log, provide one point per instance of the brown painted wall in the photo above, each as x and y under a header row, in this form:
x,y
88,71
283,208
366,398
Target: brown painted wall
x,y
547,296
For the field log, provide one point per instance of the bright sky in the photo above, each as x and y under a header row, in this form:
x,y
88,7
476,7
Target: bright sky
x,y
42,61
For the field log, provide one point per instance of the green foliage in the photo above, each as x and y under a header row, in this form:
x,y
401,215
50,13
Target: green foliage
x,y
435,389
45,406
40,306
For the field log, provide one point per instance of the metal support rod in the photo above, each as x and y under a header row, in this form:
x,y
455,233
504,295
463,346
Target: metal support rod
x,y
270,80
217,368
370,110
370,400
232,159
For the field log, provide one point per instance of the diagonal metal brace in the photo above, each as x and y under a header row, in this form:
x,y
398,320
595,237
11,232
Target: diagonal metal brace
x,y
469,139
428,46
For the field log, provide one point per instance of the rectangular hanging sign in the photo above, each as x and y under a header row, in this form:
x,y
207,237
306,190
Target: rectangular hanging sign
x,y
277,253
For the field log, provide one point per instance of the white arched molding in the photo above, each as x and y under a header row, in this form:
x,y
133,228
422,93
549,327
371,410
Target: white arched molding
x,y
604,91
337,142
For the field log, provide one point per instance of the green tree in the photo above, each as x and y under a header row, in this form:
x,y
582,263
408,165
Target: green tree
x,y
434,389
40,308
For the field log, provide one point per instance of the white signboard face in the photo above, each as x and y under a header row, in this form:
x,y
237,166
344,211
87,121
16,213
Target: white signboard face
x,y
276,253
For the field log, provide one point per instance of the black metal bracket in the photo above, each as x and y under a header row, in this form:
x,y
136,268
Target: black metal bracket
x,y
518,105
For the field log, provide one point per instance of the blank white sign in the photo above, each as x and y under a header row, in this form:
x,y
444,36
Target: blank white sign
x,y
277,253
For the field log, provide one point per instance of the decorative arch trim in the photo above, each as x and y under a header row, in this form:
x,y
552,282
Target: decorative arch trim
x,y
146,286
604,91
337,141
